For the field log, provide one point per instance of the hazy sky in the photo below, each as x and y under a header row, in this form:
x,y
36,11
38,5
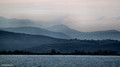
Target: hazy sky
x,y
83,15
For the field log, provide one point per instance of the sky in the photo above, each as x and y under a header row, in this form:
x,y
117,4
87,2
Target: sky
x,y
82,15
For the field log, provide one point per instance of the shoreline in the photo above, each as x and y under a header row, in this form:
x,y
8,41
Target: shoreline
x,y
61,55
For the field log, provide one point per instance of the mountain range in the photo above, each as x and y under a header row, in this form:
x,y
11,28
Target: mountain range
x,y
97,35
36,31
5,22
12,41
24,35
40,43
56,31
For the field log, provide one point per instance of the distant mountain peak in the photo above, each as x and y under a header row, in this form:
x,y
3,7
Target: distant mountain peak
x,y
2,17
113,30
25,27
108,31
61,25
36,31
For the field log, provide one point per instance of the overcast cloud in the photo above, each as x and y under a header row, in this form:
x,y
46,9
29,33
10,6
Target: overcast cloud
x,y
82,15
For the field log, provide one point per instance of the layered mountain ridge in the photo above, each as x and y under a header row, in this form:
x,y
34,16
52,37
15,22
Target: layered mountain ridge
x,y
24,35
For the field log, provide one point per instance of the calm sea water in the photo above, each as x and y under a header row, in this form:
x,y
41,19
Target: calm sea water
x,y
58,61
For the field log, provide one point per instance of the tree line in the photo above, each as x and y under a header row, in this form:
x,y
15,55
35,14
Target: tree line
x,y
54,52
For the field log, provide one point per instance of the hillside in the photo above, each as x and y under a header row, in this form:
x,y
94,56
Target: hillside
x,y
97,35
80,45
12,41
40,43
36,31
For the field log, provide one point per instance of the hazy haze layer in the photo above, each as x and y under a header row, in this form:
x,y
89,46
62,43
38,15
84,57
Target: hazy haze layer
x,y
82,15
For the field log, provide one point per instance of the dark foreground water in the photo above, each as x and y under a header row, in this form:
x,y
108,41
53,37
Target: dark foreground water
x,y
58,61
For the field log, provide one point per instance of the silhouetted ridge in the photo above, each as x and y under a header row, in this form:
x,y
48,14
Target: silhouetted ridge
x,y
12,41
97,35
36,31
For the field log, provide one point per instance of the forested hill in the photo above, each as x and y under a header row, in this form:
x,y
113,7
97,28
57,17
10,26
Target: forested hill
x,y
80,45
40,43
12,41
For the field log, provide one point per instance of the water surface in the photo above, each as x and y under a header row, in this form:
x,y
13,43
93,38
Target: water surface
x,y
58,61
